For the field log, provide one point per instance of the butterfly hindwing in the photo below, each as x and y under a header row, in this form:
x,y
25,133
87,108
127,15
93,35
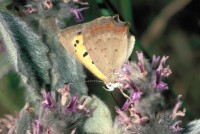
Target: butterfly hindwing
x,y
107,43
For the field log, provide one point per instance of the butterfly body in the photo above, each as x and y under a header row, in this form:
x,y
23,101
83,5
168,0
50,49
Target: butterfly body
x,y
101,45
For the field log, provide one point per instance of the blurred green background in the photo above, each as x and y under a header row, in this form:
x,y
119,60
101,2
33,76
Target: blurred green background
x,y
161,27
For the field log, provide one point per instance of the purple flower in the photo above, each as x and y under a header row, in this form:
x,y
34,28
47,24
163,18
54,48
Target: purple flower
x,y
141,61
47,102
158,84
166,71
126,105
124,119
37,127
155,62
134,96
162,63
77,106
161,71
175,127
132,85
29,9
72,106
176,112
124,77
77,13
126,68
138,118
83,107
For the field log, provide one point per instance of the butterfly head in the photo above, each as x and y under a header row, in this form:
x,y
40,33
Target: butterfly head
x,y
112,86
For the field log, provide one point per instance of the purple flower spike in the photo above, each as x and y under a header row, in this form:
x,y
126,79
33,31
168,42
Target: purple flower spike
x,y
159,85
135,96
166,71
37,127
162,62
126,105
155,62
47,102
127,68
175,127
141,61
72,106
124,119
176,112
138,118
29,9
164,59
77,13
132,85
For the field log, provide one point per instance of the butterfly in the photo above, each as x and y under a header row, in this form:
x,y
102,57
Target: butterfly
x,y
102,46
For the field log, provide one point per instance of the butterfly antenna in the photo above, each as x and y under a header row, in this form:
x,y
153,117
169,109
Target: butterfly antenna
x,y
87,81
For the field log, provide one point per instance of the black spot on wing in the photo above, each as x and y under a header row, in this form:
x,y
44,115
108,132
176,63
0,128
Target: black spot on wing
x,y
85,54
79,33
77,41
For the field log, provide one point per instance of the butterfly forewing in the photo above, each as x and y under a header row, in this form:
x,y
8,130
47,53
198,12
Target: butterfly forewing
x,y
72,39
66,36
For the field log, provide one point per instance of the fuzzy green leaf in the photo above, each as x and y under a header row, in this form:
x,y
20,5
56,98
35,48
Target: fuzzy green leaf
x,y
27,52
101,120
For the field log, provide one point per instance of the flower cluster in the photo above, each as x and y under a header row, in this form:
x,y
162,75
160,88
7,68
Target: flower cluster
x,y
142,86
141,75
55,8
56,115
